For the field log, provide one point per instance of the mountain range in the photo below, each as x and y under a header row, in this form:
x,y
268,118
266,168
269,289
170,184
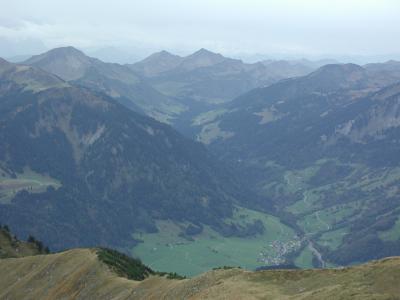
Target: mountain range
x,y
115,80
211,78
166,86
322,150
295,163
76,161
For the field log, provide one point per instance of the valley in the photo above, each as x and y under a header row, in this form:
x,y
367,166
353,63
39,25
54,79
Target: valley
x,y
169,249
284,174
199,150
325,212
317,161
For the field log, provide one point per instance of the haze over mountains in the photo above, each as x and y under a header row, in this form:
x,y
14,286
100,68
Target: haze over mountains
x,y
115,80
168,87
200,150
209,77
294,163
164,85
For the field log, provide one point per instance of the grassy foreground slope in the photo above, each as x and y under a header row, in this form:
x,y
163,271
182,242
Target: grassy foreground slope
x,y
79,274
10,246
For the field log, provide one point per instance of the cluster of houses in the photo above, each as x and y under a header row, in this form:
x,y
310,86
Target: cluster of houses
x,y
276,252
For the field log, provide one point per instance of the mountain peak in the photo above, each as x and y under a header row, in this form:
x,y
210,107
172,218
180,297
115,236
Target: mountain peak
x,y
68,50
157,63
205,52
68,63
345,68
57,53
163,54
333,77
340,72
202,58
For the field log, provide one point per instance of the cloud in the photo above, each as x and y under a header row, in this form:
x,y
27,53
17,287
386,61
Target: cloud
x,y
16,47
11,23
309,27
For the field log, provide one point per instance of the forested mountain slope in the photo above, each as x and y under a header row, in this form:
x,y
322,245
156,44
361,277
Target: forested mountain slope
x,y
77,168
323,150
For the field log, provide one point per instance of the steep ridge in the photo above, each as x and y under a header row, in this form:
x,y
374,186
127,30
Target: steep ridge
x,y
280,113
294,68
10,246
67,63
29,78
201,58
78,163
115,80
209,78
75,273
331,137
390,68
205,80
157,63
79,274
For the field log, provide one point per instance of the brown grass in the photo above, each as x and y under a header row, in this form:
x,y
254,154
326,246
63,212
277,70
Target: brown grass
x,y
78,274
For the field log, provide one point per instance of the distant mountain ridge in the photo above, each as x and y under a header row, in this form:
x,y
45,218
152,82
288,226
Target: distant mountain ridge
x,y
115,80
202,58
67,63
157,63
166,61
210,77
204,80
168,87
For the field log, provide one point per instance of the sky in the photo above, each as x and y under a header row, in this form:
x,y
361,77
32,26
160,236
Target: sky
x,y
239,28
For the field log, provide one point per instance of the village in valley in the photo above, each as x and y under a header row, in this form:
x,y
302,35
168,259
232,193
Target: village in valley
x,y
276,252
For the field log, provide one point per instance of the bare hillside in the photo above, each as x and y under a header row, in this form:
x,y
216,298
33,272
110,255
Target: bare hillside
x,y
78,274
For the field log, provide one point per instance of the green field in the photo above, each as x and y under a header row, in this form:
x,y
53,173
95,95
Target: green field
x,y
167,251
208,117
393,233
315,214
28,180
326,219
332,239
304,260
170,88
377,179
211,132
308,203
